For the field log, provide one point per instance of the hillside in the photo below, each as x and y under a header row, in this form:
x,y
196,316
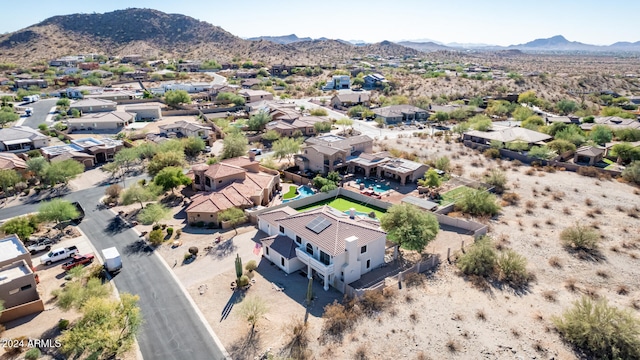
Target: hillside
x,y
154,33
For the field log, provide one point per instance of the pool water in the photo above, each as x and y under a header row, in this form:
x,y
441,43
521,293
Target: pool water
x,y
378,187
303,192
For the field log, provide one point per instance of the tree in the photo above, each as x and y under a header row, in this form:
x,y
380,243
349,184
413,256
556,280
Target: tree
x,y
439,116
480,123
272,135
234,145
625,152
478,202
532,122
443,163
357,82
126,158
171,177
107,328
601,134
23,226
153,213
571,133
57,210
318,112
259,120
521,113
496,178
543,152
286,148
461,128
528,97
253,309
162,160
63,103
561,146
322,127
7,116
193,146
409,227
234,216
566,107
344,122
431,179
61,172
8,178
601,330
176,97
138,193
324,184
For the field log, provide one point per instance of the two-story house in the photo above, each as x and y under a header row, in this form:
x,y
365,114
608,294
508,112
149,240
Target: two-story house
x,y
328,153
238,182
326,244
338,82
396,114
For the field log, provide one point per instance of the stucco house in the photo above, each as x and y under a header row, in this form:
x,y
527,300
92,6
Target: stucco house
x,y
512,134
304,124
86,106
101,121
328,153
589,155
326,244
238,182
87,151
345,100
374,80
338,82
251,96
145,112
184,128
396,114
21,138
383,165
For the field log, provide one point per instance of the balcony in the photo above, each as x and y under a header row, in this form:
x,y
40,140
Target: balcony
x,y
315,264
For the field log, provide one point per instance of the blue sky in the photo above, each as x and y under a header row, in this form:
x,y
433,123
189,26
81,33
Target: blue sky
x,y
497,22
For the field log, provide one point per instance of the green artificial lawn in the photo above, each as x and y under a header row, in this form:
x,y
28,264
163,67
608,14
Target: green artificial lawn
x,y
291,193
452,195
607,161
343,204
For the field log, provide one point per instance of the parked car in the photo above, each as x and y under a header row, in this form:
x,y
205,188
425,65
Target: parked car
x,y
256,151
207,149
58,254
40,246
78,260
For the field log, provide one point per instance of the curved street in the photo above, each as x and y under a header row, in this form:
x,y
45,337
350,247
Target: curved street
x,y
172,327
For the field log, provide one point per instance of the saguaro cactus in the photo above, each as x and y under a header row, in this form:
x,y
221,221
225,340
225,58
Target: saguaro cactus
x,y
238,266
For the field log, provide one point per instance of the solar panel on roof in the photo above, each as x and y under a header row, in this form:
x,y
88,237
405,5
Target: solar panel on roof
x,y
318,224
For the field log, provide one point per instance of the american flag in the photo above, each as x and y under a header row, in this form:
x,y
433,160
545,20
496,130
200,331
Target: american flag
x,y
257,249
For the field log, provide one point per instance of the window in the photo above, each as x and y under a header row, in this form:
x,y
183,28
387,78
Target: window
x,y
282,229
14,291
26,287
363,249
282,261
309,249
298,239
219,181
325,258
266,250
368,263
207,181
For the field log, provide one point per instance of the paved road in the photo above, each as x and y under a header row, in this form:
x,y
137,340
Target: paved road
x,y
41,110
172,328
217,79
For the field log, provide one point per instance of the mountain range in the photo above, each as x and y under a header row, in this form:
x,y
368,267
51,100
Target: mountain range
x,y
158,34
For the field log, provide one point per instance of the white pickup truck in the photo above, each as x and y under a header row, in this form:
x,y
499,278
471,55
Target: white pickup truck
x,y
58,254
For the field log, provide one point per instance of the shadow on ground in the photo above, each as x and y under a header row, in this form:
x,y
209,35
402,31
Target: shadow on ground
x,y
138,247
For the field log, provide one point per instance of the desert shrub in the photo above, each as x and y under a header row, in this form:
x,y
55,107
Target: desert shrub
x,y
95,271
491,153
63,324
632,172
32,354
298,339
443,163
156,227
580,237
113,191
170,231
589,171
156,237
372,302
16,345
414,279
178,233
251,265
561,146
478,202
243,281
23,226
513,268
187,256
511,198
337,320
480,259
600,330
193,250
497,179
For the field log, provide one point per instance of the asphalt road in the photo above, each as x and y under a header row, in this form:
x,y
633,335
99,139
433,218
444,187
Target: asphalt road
x,y
172,328
40,112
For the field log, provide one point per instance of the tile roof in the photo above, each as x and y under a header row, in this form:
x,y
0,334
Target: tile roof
x,y
590,151
11,161
221,170
331,239
20,132
511,134
397,110
282,245
226,198
241,161
183,124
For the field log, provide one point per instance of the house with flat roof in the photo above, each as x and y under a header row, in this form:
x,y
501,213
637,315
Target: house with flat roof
x,y
115,95
383,165
21,138
374,80
89,105
396,114
18,291
328,153
237,182
12,249
87,151
326,244
184,128
112,120
338,82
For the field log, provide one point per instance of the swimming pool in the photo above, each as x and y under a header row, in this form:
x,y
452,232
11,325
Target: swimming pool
x,y
303,192
362,214
378,187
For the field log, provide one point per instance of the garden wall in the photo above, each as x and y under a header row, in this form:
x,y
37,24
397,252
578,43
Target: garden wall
x,y
19,311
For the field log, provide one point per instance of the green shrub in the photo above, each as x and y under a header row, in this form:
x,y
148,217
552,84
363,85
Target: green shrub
x,y
251,265
580,237
63,324
513,268
187,256
600,330
23,226
492,153
478,202
632,172
480,259
243,281
497,179
156,227
32,354
170,231
156,237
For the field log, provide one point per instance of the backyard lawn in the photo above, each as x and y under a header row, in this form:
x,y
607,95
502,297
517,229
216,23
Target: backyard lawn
x,y
344,204
452,195
291,193
610,164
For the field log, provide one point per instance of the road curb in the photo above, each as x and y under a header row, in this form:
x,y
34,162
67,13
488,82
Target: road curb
x,y
189,298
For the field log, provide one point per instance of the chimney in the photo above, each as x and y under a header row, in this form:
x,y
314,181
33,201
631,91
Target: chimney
x,y
352,213
252,156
